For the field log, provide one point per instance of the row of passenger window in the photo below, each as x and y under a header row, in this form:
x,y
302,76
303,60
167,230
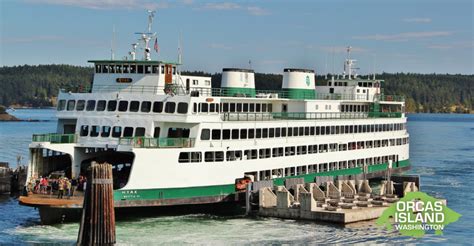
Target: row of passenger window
x,y
147,69
115,131
321,167
225,134
124,106
264,153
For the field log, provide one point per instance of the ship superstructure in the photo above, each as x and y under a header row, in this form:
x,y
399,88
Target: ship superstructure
x,y
176,140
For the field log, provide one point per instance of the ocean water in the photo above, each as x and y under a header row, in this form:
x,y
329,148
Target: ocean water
x,y
441,150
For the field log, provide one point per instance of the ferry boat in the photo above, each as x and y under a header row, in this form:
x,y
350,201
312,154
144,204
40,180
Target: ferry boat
x,y
175,140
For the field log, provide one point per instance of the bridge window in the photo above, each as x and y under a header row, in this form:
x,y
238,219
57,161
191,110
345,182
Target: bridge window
x,y
170,107
123,106
146,106
101,105
158,107
140,69
204,107
95,131
147,69
117,131
156,69
84,131
90,105
112,105
205,134
70,105
133,69
216,134
139,132
128,131
80,105
134,106
105,131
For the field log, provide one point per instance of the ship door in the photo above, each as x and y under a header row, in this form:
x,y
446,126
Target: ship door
x,y
284,110
168,74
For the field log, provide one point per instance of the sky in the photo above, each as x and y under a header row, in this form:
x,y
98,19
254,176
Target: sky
x,y
420,36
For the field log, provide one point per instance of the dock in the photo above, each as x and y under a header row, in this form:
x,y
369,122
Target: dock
x,y
340,202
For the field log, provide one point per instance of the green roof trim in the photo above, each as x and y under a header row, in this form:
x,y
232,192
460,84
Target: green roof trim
x,y
133,62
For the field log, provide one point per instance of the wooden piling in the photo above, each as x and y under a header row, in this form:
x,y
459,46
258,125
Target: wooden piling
x,y
98,216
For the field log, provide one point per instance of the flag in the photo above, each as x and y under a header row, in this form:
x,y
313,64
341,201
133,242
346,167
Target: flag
x,y
156,45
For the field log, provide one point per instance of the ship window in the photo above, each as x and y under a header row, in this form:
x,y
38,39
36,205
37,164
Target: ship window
x,y
80,105
246,107
283,132
204,107
126,69
133,69
184,157
158,107
264,107
265,133
95,131
111,69
70,105
90,105
235,155
277,152
174,70
257,107
123,105
205,134
128,131
118,69
97,69
290,132
312,131
258,133
105,131
162,69
239,107
289,151
195,82
156,132
134,106
84,131
251,133
312,149
156,69
277,132
301,131
170,107
270,109
235,133
140,69
232,107
226,134
211,156
265,153
271,132
61,105
317,130
101,105
112,105
252,107
146,106
216,134
225,107
117,131
251,154
243,133
306,131
139,132
147,69
295,131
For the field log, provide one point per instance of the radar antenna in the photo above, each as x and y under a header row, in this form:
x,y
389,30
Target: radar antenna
x,y
145,37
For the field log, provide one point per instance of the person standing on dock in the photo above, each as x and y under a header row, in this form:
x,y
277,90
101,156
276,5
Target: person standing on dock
x,y
60,188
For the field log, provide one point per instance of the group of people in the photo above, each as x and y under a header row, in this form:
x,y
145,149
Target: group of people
x,y
62,186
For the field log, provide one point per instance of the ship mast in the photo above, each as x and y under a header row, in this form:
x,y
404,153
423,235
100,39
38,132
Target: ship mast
x,y
145,37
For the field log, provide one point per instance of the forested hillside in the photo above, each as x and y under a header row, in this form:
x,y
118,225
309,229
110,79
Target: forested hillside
x,y
36,86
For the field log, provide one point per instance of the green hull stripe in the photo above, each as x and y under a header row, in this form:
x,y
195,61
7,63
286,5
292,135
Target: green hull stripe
x,y
216,190
299,93
236,91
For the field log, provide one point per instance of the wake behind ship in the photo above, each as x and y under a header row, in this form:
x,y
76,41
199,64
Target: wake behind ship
x,y
174,140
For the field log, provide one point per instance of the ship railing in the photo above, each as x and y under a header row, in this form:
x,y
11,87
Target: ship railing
x,y
147,142
306,116
226,92
55,138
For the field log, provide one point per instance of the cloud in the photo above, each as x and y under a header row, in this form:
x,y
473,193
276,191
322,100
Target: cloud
x,y
454,45
404,36
105,4
417,20
32,39
227,6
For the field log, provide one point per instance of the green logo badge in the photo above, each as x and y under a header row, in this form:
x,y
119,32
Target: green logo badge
x,y
416,213
307,80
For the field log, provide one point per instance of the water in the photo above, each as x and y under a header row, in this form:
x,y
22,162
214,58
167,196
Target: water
x,y
442,152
